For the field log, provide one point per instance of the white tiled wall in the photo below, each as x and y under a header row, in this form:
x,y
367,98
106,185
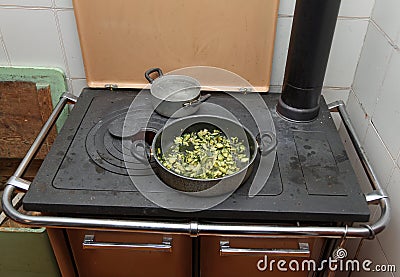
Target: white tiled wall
x,y
372,65
380,159
43,33
387,111
373,254
346,47
27,3
386,16
31,37
358,115
374,107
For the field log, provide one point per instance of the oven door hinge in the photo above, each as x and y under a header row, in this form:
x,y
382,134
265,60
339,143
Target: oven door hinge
x,y
111,86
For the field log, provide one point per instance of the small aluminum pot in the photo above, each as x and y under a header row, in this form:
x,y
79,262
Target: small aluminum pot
x,y
264,144
174,95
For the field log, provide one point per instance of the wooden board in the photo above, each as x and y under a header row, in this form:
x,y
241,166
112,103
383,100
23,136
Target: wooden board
x,y
42,77
8,167
23,111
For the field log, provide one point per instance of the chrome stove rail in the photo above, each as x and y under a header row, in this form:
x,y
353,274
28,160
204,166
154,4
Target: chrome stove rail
x,y
194,228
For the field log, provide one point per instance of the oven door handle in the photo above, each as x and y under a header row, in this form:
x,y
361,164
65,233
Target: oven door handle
x,y
302,252
90,243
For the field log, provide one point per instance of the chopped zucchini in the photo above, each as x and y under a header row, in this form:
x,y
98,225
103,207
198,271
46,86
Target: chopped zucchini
x,y
205,155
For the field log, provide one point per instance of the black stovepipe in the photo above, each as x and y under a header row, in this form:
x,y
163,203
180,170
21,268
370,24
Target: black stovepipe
x,y
313,27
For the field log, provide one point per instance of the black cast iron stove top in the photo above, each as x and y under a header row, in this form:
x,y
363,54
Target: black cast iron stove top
x,y
88,170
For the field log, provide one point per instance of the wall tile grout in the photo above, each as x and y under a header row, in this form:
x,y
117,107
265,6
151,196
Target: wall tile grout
x,y
378,95
361,18
391,174
362,139
383,251
74,78
60,39
3,45
380,246
359,56
371,124
33,8
397,159
70,88
278,88
384,76
285,15
372,10
24,7
389,40
335,88
63,9
324,87
340,17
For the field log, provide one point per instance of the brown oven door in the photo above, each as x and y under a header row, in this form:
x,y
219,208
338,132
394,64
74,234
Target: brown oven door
x,y
252,256
108,253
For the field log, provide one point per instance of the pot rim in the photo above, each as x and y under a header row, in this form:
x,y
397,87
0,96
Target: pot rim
x,y
241,171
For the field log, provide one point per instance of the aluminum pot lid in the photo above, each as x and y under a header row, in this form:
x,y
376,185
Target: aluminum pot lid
x,y
175,88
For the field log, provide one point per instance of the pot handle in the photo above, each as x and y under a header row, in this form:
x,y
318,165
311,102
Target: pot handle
x,y
266,142
197,101
151,71
144,155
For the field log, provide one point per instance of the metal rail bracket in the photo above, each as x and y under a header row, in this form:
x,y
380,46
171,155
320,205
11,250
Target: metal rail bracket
x,y
375,196
18,183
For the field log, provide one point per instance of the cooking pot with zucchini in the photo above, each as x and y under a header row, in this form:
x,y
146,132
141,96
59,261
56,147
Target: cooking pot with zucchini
x,y
174,95
196,130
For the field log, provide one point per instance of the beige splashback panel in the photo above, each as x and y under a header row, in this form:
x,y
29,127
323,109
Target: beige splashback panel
x,y
121,39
